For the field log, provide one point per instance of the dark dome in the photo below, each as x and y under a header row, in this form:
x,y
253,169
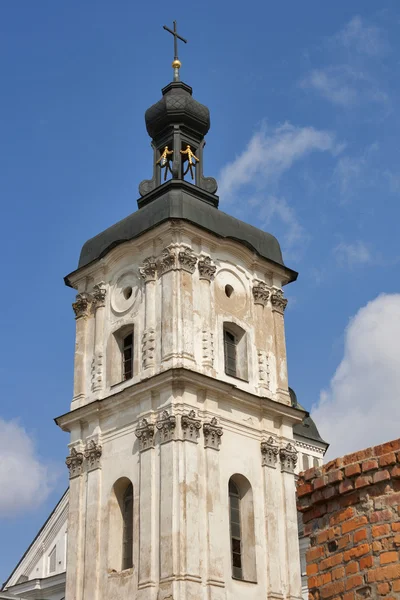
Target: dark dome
x,y
177,106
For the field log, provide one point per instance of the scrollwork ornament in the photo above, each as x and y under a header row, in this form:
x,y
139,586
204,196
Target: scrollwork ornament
x,y
99,294
149,269
92,453
166,426
288,456
260,293
212,434
269,453
187,260
167,261
190,426
145,433
278,301
82,305
74,463
206,268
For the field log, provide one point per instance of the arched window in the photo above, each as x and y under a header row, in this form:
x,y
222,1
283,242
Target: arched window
x,y
120,526
306,462
127,357
235,351
127,535
242,534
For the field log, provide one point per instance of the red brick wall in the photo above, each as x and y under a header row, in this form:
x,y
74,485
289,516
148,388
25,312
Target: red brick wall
x,y
351,511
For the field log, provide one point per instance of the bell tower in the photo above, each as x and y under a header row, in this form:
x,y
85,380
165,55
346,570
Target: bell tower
x,y
181,455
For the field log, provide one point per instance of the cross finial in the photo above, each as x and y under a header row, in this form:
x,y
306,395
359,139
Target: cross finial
x,y
176,63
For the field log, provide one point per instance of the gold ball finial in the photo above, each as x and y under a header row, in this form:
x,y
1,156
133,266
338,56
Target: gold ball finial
x,y
176,64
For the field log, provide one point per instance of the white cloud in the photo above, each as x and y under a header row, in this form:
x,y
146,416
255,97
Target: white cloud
x,y
352,254
271,152
361,407
24,479
365,39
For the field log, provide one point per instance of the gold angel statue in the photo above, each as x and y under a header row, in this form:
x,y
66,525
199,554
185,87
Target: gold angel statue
x,y
164,161
191,160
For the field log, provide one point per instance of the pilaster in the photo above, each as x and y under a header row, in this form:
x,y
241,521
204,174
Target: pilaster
x,y
76,517
82,309
279,303
148,271
92,453
99,297
206,275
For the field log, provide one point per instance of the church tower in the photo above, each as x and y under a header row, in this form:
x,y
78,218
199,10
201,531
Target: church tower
x,y
181,457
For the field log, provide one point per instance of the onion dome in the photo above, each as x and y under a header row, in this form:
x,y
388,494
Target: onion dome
x,y
177,106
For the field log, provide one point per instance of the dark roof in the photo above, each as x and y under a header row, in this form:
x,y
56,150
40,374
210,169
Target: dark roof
x,y
178,199
307,428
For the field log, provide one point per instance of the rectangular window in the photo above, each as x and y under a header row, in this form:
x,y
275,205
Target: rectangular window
x,y
230,353
127,357
53,560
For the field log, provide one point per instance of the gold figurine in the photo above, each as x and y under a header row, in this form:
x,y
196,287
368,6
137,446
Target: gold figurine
x,y
164,161
191,159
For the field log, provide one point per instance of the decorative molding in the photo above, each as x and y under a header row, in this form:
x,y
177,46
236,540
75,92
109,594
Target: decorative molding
x,y
208,347
167,261
82,305
206,268
261,293
74,463
263,368
145,433
288,456
187,259
148,347
212,434
190,426
310,447
149,269
166,425
97,371
92,453
99,294
269,453
278,301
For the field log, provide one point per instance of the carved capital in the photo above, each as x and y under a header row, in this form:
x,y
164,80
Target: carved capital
x,y
74,463
190,426
288,456
167,261
212,434
99,294
269,453
260,293
278,302
82,305
145,433
187,260
93,454
149,269
166,426
206,268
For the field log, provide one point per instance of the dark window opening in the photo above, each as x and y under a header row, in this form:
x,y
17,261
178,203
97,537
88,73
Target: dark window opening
x,y
127,542
236,541
127,357
230,350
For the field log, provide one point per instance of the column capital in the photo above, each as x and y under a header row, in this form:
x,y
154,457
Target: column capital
x,y
212,434
145,433
190,426
92,453
167,261
148,269
74,463
278,301
99,294
82,305
288,456
166,425
261,292
269,452
206,268
187,259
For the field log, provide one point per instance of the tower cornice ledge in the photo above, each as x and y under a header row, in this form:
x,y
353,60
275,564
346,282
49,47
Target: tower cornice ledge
x,y
191,380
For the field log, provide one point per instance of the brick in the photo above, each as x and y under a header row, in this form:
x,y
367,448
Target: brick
x,y
366,562
349,499
395,526
396,585
387,459
360,535
332,561
352,567
357,551
358,456
369,465
388,557
380,515
387,573
363,481
335,476
381,476
349,596
376,546
388,500
322,537
312,569
336,463
396,540
319,483
354,581
304,490
346,486
338,573
352,470
353,524
310,473
332,589
342,515
344,541
315,554
380,530
383,588
386,448
315,513
396,472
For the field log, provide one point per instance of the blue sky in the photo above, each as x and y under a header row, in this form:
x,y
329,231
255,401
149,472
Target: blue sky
x,y
304,141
